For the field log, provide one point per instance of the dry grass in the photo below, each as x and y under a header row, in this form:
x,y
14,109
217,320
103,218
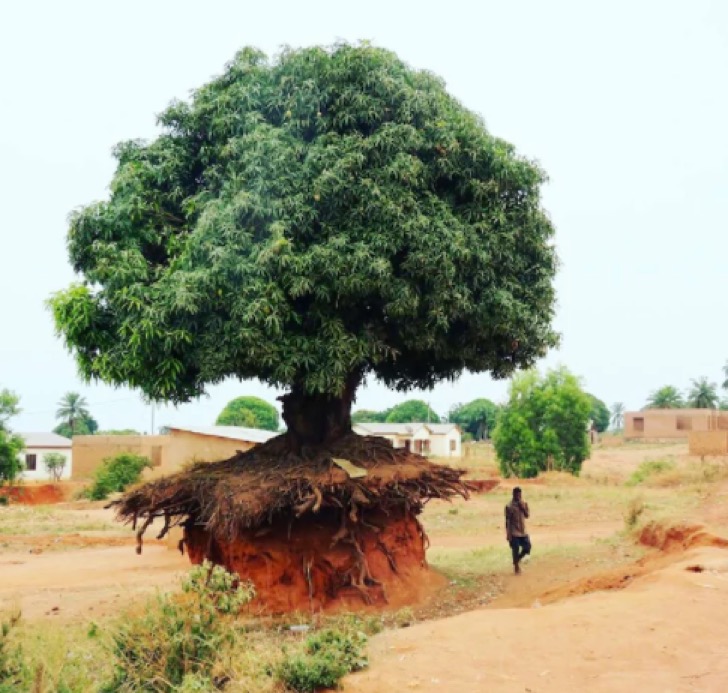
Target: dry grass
x,y
51,519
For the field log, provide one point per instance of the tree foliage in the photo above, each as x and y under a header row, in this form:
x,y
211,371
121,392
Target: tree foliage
x,y
369,416
55,463
703,394
600,415
327,213
75,419
667,397
412,410
543,425
11,444
251,412
478,418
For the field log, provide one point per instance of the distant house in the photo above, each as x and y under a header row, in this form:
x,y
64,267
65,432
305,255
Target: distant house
x,y
37,445
438,440
673,423
167,453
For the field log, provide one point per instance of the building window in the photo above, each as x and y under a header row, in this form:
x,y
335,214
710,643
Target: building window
x,y
31,462
453,445
684,423
639,424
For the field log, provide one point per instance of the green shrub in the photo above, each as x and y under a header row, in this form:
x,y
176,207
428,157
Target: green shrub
x,y
329,656
12,669
4,500
116,473
177,644
648,469
635,508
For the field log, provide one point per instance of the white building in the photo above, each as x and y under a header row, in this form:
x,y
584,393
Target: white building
x,y
37,446
437,440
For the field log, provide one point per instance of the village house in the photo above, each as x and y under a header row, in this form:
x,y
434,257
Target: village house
x,y
672,423
168,453
37,446
436,440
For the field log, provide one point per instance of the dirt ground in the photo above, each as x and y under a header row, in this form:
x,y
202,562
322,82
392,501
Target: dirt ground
x,y
593,609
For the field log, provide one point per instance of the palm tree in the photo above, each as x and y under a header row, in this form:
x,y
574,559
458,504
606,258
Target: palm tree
x,y
724,385
617,416
72,409
703,394
667,397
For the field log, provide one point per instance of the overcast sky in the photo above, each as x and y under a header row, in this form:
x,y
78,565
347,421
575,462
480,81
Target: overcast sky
x,y
623,103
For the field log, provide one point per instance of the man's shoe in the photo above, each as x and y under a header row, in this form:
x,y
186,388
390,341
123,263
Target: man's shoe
x,y
526,559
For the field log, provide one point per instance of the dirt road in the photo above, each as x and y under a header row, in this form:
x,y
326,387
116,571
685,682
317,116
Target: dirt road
x,y
666,631
85,583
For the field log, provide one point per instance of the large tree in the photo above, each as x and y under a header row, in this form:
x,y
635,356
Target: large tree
x,y
667,397
309,221
543,425
11,444
478,417
249,411
703,394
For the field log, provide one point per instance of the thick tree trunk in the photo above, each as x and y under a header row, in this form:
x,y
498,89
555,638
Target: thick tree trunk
x,y
318,419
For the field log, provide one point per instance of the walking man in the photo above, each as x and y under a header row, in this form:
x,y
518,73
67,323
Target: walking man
x,y
516,514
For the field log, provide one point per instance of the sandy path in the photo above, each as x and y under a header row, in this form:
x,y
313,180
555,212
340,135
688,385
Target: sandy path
x,y
665,632
85,583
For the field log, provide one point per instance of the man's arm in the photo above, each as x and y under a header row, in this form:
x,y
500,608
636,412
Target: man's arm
x,y
524,507
508,525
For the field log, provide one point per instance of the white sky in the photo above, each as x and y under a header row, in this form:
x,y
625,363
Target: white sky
x,y
623,103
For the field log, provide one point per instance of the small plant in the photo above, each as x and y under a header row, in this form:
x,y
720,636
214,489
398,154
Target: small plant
x,y
177,644
4,500
12,668
404,617
453,511
55,463
649,469
329,655
635,508
116,473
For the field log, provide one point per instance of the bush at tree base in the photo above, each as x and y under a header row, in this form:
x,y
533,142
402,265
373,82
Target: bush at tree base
x,y
177,641
544,425
116,474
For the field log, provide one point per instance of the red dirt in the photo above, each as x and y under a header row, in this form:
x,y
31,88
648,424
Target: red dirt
x,y
302,567
482,485
40,494
678,538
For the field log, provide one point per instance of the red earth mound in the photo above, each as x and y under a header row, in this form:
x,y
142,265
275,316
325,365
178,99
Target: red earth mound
x,y
40,494
308,565
678,538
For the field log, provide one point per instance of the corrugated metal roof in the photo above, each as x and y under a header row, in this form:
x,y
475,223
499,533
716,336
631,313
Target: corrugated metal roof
x,y
45,440
403,429
250,435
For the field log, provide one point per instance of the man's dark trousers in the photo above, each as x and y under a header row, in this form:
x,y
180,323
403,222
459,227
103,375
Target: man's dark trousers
x,y
520,547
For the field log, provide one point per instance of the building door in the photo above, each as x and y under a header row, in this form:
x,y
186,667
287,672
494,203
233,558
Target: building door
x,y
408,445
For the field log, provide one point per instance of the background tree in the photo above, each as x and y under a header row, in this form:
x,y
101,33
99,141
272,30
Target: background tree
x,y
74,415
478,418
83,427
702,394
120,432
369,416
617,416
543,425
251,412
412,410
667,397
724,384
599,414
55,463
308,221
11,445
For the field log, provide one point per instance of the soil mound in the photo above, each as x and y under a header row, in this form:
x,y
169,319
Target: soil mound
x,y
41,494
311,528
678,538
